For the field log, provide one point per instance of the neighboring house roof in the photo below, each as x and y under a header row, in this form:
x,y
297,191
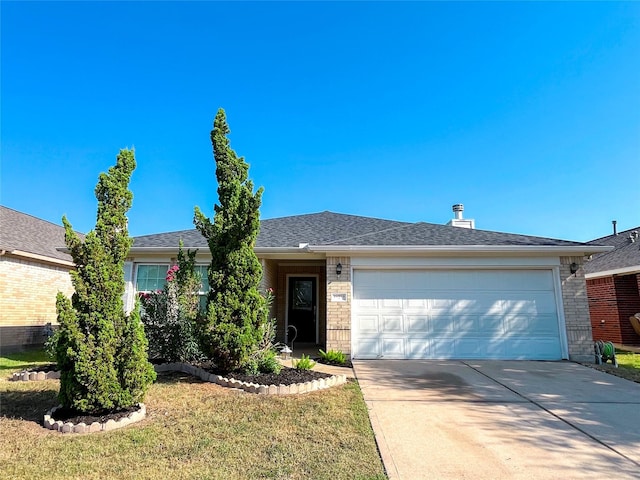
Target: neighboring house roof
x,y
28,236
328,231
624,258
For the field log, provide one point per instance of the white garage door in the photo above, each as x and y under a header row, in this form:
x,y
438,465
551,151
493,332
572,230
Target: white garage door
x,y
475,314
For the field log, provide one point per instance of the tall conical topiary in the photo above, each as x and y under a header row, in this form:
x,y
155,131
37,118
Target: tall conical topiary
x,y
102,351
236,311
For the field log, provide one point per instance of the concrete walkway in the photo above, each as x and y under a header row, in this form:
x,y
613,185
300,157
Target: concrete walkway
x,y
501,420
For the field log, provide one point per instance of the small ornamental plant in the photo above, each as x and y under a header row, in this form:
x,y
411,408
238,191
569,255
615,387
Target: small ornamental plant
x,y
332,357
170,315
305,363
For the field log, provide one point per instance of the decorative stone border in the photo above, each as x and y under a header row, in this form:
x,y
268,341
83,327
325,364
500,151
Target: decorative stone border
x,y
293,389
68,427
34,376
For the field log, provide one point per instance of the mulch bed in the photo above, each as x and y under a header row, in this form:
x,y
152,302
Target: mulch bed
x,y
287,376
75,417
346,364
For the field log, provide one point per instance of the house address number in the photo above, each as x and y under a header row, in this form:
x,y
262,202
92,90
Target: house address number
x,y
338,297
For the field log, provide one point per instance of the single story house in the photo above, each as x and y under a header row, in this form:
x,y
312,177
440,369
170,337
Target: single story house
x,y
376,288
613,287
32,272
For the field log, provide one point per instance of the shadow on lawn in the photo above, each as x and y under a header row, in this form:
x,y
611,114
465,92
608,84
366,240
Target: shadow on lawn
x,y
28,405
31,405
172,378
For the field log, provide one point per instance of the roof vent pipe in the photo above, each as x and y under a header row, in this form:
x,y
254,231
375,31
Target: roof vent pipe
x,y
458,208
615,223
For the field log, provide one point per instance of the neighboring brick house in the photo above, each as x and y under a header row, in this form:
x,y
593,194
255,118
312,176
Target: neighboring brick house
x,y
32,272
613,286
376,288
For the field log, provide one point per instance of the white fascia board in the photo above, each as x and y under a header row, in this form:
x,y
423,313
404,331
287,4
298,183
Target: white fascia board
x,y
41,258
173,251
454,262
461,249
617,271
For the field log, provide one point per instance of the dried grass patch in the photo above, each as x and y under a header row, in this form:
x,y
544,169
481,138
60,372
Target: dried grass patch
x,y
195,429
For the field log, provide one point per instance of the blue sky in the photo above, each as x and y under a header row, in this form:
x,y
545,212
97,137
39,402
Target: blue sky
x,y
528,113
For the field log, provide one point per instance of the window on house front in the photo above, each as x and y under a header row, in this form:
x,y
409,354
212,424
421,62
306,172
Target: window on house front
x,y
204,285
151,277
204,279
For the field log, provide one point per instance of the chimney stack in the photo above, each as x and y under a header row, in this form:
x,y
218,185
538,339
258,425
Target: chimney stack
x,y
615,223
458,208
458,221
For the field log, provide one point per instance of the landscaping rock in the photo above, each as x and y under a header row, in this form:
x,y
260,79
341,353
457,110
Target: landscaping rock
x,y
80,428
284,390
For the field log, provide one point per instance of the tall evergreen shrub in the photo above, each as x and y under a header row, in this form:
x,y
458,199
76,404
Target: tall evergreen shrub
x,y
101,351
236,311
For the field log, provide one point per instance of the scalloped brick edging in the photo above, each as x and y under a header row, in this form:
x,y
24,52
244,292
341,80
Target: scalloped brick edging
x,y
68,427
293,389
34,376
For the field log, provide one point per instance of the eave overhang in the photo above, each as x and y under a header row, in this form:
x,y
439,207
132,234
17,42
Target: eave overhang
x,y
37,257
321,251
556,250
616,271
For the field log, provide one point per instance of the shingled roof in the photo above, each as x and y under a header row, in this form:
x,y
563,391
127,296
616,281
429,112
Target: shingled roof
x,y
625,255
20,232
335,229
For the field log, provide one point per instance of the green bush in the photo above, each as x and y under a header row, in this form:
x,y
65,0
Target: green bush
x,y
305,363
101,351
169,315
232,330
334,357
51,344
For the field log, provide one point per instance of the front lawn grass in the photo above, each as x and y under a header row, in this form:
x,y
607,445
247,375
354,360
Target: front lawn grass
x,y
14,362
628,366
195,430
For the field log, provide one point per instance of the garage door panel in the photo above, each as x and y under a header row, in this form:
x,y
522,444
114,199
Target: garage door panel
x,y
392,324
469,348
533,348
442,347
390,303
529,302
368,347
485,326
392,347
362,303
415,303
417,324
367,324
418,348
539,325
508,314
442,324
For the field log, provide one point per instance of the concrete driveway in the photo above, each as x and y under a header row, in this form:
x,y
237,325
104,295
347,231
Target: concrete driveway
x,y
501,419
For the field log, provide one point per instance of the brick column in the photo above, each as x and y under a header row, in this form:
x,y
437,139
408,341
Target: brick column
x,y
339,313
576,311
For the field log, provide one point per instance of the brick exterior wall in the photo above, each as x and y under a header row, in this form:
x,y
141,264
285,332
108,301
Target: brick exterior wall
x,y
339,313
28,300
301,269
612,300
576,310
270,280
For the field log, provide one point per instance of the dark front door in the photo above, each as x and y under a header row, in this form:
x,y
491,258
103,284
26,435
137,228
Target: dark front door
x,y
302,307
